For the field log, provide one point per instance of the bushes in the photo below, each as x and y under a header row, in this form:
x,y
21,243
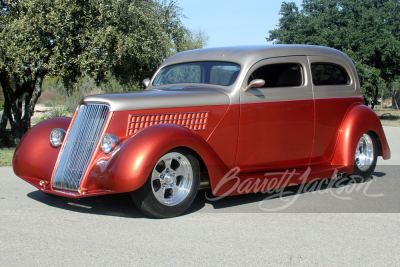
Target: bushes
x,y
7,139
62,101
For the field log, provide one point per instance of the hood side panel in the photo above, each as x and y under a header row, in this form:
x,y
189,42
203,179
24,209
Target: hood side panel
x,y
157,99
203,120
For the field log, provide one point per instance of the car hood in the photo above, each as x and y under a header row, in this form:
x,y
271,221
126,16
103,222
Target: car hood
x,y
156,99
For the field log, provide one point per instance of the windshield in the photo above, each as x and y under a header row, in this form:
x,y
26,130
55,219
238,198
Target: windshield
x,y
219,73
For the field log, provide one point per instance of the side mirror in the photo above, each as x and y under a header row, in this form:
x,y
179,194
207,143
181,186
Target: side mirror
x,y
255,83
146,82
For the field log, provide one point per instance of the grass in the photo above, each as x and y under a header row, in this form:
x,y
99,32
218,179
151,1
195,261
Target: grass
x,y
6,157
389,116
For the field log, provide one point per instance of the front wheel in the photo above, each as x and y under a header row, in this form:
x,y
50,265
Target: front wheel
x,y
171,186
365,158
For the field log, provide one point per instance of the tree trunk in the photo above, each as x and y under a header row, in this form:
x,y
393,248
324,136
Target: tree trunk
x,y
25,97
30,103
7,107
4,121
375,98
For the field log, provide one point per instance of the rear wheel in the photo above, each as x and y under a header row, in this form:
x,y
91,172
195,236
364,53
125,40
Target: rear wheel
x,y
171,186
365,158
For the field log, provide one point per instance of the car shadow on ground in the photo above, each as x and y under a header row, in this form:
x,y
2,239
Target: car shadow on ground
x,y
121,205
324,184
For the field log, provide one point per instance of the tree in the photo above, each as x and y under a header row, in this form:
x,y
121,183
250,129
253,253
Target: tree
x,y
189,40
366,30
72,38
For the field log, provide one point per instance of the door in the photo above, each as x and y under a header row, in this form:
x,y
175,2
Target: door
x,y
276,128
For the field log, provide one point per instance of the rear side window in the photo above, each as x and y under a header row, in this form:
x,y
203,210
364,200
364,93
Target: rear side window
x,y
279,75
329,74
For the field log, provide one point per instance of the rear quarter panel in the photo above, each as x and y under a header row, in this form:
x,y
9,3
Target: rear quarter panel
x,y
359,120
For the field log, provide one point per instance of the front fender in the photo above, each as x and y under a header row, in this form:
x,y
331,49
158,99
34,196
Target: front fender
x,y
128,168
34,158
358,121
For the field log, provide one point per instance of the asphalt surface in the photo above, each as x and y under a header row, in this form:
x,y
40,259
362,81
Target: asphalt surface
x,y
337,224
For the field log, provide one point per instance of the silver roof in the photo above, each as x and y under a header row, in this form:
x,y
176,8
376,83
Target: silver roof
x,y
246,56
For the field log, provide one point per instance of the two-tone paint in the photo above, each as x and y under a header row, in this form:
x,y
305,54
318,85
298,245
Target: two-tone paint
x,y
313,129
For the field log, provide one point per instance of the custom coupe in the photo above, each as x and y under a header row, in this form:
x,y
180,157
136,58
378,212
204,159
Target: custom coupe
x,y
222,118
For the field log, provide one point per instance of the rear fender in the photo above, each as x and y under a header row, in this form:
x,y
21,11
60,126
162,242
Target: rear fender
x,y
129,166
360,119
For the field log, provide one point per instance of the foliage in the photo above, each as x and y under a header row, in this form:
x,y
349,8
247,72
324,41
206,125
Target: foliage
x,y
368,31
56,95
125,39
189,40
396,82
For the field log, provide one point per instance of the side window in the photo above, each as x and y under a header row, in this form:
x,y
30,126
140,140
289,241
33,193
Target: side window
x,y
279,75
329,74
224,74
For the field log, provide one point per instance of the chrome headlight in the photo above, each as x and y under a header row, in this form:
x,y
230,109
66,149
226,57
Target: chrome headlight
x,y
108,142
57,136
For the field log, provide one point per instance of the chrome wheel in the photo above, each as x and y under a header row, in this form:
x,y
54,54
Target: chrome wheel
x,y
364,153
172,178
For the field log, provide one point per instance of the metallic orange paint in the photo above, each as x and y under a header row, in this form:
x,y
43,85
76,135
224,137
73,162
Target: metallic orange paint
x,y
35,157
224,138
130,165
275,135
359,120
119,124
329,116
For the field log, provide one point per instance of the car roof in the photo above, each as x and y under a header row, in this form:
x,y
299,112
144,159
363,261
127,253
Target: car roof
x,y
248,55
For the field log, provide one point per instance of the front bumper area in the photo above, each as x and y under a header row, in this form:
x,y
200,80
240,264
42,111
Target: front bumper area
x,y
64,193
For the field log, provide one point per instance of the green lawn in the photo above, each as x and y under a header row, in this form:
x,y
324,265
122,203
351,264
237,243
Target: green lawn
x,y
6,157
388,116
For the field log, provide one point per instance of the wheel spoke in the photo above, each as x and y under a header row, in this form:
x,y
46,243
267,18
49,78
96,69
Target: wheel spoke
x,y
161,193
168,163
179,171
155,175
175,190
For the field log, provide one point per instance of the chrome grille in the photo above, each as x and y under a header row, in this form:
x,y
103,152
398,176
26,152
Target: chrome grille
x,y
80,143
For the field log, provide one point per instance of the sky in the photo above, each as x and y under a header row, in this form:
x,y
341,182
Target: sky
x,y
233,22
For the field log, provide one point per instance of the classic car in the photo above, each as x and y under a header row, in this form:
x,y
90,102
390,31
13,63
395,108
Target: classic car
x,y
220,118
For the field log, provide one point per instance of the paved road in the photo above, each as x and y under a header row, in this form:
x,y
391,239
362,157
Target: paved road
x,y
327,225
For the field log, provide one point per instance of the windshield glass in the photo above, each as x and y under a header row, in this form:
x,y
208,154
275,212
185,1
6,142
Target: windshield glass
x,y
219,73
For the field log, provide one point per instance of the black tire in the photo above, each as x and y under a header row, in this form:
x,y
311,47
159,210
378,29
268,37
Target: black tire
x,y
364,173
160,204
